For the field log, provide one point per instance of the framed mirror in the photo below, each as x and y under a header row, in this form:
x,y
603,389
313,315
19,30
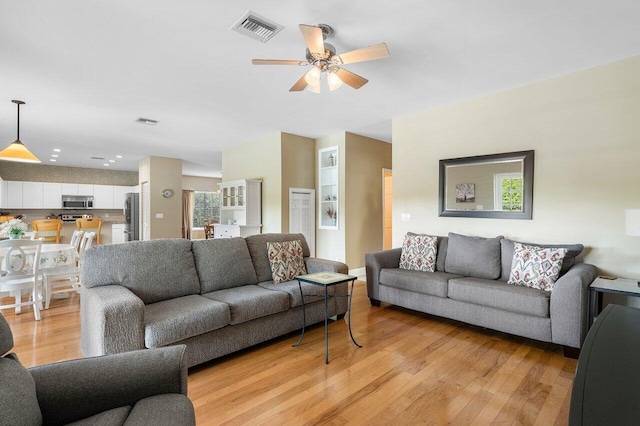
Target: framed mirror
x,y
498,186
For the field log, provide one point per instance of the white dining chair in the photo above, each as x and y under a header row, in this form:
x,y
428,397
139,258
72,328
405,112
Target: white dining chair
x,y
64,279
76,238
20,272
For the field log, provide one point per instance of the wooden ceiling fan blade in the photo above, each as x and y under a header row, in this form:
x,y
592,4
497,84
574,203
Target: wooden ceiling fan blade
x,y
278,62
313,38
370,53
353,80
300,84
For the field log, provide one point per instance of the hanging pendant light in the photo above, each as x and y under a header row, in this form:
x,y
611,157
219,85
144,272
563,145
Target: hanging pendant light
x,y
17,151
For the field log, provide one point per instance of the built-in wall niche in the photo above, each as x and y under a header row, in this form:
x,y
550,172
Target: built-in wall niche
x,y
329,211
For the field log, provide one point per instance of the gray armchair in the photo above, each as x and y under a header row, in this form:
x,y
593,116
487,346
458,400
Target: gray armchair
x,y
133,388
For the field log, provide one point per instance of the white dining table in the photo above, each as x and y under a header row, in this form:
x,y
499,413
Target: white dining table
x,y
51,256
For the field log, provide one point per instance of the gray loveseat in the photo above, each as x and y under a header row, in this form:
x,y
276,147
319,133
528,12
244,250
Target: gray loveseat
x,y
215,296
470,285
136,388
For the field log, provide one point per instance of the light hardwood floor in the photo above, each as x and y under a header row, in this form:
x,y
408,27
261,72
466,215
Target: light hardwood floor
x,y
413,369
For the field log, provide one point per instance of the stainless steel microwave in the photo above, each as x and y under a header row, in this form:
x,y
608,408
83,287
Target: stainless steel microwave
x,y
77,202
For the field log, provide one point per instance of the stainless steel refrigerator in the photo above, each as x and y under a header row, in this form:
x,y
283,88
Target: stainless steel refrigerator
x,y
131,217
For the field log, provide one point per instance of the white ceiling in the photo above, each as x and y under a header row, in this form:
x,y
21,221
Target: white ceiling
x,y
88,69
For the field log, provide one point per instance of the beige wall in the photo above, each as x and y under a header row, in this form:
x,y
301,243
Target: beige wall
x,y
365,158
585,130
46,173
298,159
360,163
197,183
162,173
260,159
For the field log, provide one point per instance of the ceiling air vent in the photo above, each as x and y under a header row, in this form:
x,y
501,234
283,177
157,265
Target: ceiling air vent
x,y
148,121
257,27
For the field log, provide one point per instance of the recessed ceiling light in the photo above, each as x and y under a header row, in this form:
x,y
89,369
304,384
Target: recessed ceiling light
x,y
53,159
57,150
55,155
106,164
118,156
112,161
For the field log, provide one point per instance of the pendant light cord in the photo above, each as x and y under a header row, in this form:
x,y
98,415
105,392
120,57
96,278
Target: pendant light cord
x,y
18,122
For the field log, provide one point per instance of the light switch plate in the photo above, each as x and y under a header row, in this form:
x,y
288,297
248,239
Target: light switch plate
x,y
406,217
159,216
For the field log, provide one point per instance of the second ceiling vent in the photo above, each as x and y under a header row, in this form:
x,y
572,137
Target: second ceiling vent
x,y
257,27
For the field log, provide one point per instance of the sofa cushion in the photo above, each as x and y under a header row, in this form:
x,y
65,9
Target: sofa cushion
x,y
166,409
443,243
419,252
18,400
536,267
507,248
311,292
500,295
177,319
6,336
115,416
223,263
250,302
286,260
473,256
258,248
154,270
431,283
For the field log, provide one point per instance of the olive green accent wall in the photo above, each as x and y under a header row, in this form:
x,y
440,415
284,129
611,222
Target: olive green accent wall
x,y
585,131
63,174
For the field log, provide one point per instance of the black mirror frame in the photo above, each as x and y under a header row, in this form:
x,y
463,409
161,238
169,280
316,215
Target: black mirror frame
x,y
527,174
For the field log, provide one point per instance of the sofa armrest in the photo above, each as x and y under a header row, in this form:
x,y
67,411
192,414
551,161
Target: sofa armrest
x,y
570,305
112,320
72,390
376,261
314,265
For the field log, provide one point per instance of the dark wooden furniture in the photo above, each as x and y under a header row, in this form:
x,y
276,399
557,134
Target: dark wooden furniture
x,y
605,389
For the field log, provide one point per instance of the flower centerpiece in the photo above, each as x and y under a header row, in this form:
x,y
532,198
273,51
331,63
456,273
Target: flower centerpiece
x,y
14,229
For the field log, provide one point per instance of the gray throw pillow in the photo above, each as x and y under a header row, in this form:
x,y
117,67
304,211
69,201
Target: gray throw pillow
x,y
473,256
18,399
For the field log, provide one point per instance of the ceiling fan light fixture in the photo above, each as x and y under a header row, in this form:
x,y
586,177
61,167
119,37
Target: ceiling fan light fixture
x,y
314,89
313,76
333,79
17,152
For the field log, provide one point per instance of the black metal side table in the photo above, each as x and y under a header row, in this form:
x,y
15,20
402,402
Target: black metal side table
x,y
600,285
326,280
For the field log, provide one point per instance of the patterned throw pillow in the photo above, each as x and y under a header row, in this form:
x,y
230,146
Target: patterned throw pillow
x,y
419,252
536,267
287,261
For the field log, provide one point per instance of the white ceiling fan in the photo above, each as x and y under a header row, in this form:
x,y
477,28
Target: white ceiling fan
x,y
323,59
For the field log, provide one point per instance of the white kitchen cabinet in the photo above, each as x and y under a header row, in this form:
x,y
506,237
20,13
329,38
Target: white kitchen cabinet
x,y
117,233
241,203
31,195
119,195
14,195
103,197
3,193
84,189
51,195
69,189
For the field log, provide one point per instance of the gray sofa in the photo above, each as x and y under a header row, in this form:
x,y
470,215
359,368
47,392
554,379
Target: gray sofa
x,y
469,295
215,296
136,388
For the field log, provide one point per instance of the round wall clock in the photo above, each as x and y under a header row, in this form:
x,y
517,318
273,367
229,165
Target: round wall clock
x,y
167,193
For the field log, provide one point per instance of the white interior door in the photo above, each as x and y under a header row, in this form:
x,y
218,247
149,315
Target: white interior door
x,y
302,217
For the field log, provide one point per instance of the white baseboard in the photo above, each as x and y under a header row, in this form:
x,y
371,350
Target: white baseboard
x,y
361,273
